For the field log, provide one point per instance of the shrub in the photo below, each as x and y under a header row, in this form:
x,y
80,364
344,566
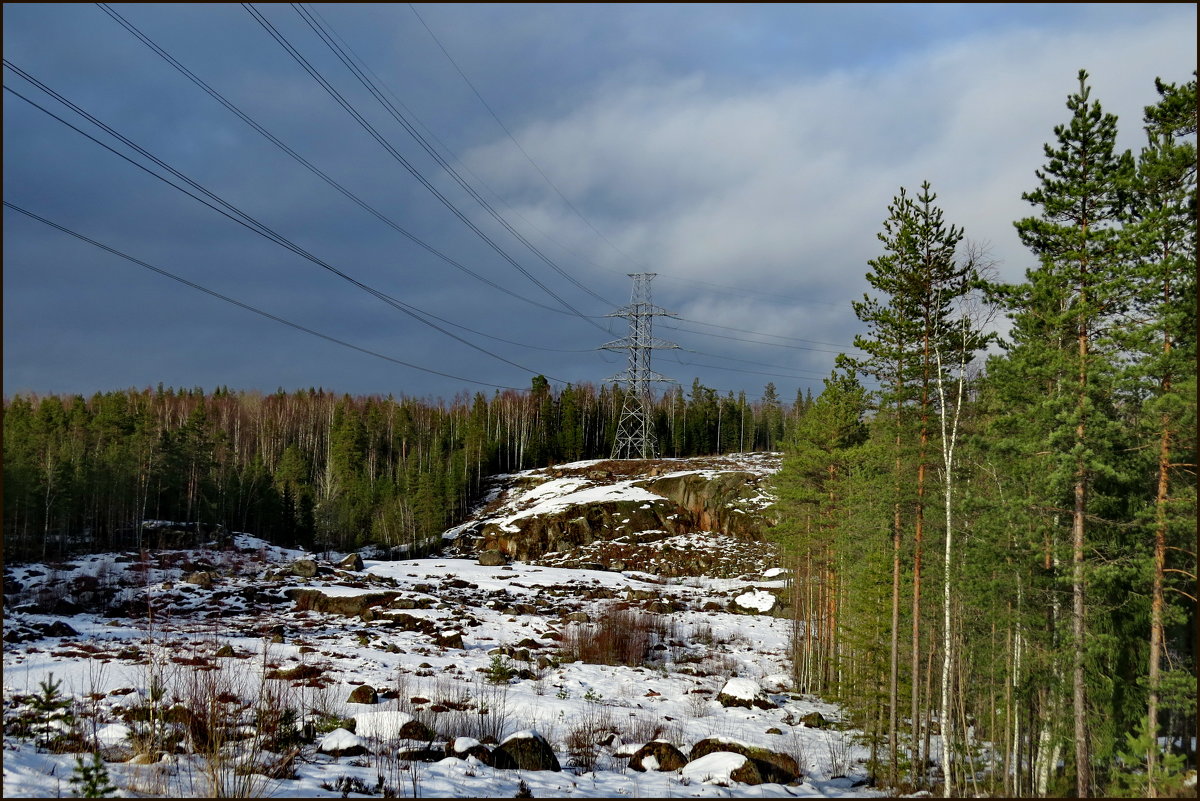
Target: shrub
x,y
617,637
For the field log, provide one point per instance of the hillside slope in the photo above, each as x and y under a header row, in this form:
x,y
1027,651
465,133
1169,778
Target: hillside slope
x,y
281,673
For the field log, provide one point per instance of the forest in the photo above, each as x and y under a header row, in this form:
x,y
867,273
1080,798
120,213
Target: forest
x,y
989,512
997,544
314,468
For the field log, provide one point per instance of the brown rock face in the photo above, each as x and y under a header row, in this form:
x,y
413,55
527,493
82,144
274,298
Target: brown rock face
x,y
687,503
710,502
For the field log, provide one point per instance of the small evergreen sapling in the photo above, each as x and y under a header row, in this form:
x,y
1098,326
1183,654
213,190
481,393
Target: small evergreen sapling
x,y
91,780
53,711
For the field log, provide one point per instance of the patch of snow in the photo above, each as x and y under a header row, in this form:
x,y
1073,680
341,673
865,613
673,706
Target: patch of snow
x,y
745,689
385,725
340,740
713,768
758,600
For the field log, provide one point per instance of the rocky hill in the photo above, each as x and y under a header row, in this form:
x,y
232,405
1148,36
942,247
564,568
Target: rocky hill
x,y
652,666
651,515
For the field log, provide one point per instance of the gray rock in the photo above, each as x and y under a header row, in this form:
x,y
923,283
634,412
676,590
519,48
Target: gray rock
x,y
667,756
351,562
492,558
525,750
304,568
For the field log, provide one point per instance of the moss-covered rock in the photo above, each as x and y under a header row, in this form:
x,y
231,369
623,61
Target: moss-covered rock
x,y
771,765
657,755
525,750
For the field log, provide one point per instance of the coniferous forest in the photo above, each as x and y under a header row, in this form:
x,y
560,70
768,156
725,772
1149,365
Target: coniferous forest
x,y
1002,548
312,467
989,512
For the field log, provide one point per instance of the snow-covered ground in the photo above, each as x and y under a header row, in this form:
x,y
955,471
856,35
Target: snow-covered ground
x,y
463,650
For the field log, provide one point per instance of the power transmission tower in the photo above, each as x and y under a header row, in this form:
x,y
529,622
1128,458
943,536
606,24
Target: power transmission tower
x,y
635,431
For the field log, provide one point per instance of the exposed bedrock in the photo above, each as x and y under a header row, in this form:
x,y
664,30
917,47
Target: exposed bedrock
x,y
687,503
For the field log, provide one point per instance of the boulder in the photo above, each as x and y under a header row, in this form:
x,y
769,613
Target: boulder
x,y
815,720
745,693
391,725
304,568
348,605
463,747
351,562
722,767
363,694
525,750
340,743
449,639
201,578
770,765
492,558
657,755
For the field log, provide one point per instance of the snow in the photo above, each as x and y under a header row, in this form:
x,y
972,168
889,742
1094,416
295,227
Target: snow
x,y
745,689
350,652
713,768
383,725
340,740
758,600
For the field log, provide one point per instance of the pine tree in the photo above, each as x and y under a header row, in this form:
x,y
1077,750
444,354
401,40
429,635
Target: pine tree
x,y
1161,331
1077,289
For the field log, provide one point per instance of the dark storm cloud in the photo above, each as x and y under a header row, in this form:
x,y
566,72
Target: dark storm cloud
x,y
747,153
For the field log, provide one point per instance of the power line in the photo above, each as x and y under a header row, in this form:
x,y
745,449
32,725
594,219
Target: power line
x,y
563,197
246,306
762,334
146,40
327,35
242,218
349,108
752,341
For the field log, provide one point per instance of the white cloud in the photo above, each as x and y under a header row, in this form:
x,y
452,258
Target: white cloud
x,y
785,187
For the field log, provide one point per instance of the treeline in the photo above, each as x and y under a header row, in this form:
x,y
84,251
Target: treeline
x,y
1002,551
313,467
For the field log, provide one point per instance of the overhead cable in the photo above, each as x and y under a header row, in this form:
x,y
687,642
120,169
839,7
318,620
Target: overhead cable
x,y
246,306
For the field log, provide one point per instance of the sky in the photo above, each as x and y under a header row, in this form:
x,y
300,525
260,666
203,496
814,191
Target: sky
x,y
745,154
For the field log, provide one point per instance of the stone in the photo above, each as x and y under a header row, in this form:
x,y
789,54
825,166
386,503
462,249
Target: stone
x,y
347,605
716,766
492,558
225,651
351,562
449,639
815,720
304,568
770,765
657,755
363,694
340,743
745,693
525,750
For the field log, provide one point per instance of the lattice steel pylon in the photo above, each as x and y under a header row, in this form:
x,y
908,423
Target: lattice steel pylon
x,y
635,431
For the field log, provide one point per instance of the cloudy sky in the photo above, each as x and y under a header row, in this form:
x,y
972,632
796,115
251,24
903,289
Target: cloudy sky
x,y
745,153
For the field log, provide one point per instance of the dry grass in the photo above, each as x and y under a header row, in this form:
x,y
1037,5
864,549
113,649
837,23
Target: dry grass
x,y
617,637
